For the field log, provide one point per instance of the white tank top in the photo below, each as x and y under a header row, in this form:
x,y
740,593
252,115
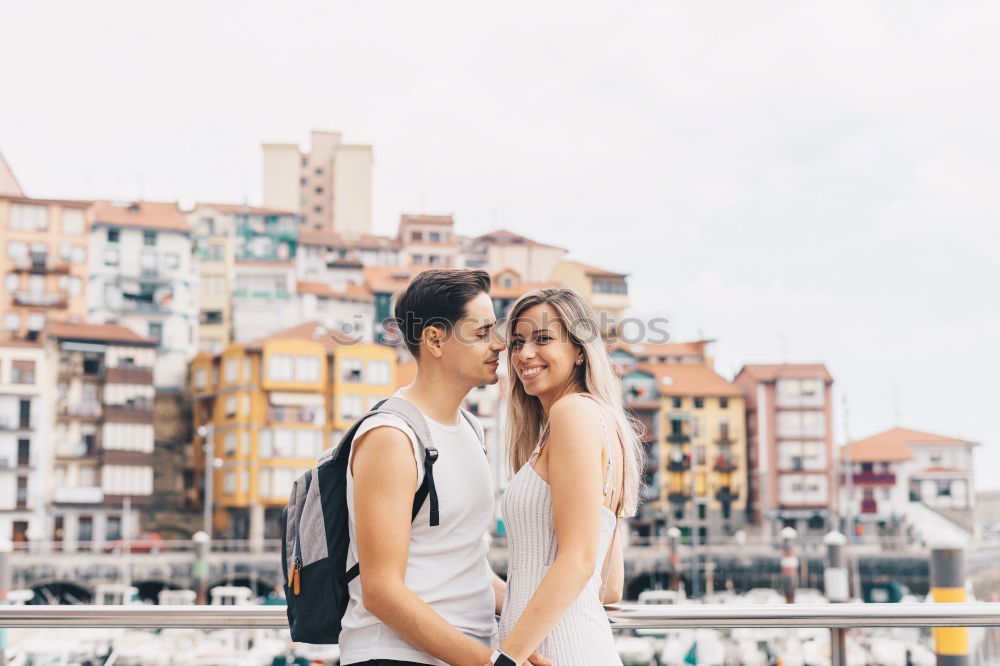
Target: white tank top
x,y
447,565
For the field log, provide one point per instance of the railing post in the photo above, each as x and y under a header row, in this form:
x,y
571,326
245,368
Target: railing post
x,y
836,589
5,549
199,570
951,644
789,563
674,539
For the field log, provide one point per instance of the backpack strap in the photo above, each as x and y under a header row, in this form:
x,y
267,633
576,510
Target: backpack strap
x,y
477,426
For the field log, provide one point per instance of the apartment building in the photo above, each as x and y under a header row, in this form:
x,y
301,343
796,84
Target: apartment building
x,y
695,430
330,185
606,291
531,260
43,263
322,252
429,241
267,408
790,446
894,471
143,277
25,435
102,441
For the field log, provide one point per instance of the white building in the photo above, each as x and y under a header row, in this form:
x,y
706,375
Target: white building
x,y
903,475
429,240
330,185
321,251
531,260
263,298
142,276
102,440
25,436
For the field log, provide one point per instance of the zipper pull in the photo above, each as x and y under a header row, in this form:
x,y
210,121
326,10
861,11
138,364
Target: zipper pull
x,y
296,577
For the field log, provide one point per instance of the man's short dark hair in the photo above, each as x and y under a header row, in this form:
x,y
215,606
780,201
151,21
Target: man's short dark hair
x,y
436,297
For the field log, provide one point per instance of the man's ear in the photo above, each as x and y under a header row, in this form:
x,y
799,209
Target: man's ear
x,y
432,341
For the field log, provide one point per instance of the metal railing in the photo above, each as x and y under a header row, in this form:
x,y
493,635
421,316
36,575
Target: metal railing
x,y
623,616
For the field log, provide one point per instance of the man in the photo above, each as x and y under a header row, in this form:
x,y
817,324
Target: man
x,y
426,593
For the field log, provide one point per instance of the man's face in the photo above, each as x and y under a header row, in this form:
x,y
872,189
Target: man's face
x,y
472,349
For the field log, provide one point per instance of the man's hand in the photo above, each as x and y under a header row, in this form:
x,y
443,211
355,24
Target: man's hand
x,y
535,660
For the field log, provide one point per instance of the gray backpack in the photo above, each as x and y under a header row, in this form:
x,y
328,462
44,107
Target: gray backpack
x,y
315,536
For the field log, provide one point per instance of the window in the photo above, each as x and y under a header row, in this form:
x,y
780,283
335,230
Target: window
x,y
36,321
699,452
944,488
231,406
17,250
23,372
319,190
149,238
114,529
801,424
350,369
12,282
232,372
72,221
434,237
111,256
11,321
318,209
29,217
279,368
307,368
200,376
308,443
230,444
676,403
75,287
416,235
79,254
211,317
156,331
246,370
699,403
23,452
114,235
351,406
171,260
418,258
379,373
723,403
229,483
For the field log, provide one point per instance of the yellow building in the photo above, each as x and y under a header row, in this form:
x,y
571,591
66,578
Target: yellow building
x,y
696,431
605,291
268,408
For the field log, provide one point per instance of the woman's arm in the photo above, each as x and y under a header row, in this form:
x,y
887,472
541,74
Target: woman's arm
x,y
614,577
575,470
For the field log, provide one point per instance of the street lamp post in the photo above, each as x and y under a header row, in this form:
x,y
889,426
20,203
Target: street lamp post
x,y
207,433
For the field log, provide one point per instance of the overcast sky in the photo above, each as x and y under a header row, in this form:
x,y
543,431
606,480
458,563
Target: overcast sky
x,y
802,181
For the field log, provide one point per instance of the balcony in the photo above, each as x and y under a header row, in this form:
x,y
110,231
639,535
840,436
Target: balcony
x,y
726,494
869,506
678,497
679,463
284,414
41,264
129,375
86,409
44,300
139,412
725,464
871,478
81,495
12,422
678,438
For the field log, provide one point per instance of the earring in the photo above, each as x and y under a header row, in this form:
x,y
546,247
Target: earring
x,y
579,361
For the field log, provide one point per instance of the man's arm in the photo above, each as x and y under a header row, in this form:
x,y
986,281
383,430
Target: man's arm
x,y
385,480
499,590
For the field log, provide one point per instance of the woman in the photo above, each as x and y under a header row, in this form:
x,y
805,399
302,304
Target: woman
x,y
575,458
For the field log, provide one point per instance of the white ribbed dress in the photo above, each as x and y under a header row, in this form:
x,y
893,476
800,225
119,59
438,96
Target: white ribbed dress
x,y
582,637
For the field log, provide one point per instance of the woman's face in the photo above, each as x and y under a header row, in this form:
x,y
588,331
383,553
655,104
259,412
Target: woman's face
x,y
542,354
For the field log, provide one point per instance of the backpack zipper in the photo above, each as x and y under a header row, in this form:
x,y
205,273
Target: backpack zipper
x,y
296,576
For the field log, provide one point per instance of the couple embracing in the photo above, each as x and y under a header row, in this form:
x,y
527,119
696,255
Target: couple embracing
x,y
426,593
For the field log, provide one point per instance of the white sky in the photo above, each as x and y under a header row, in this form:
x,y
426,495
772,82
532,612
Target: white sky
x,y
803,181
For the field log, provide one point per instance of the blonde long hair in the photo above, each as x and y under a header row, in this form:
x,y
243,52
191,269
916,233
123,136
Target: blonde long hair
x,y
525,416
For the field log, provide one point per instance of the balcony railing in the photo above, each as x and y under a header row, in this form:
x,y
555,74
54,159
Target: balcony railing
x,y
621,616
43,300
869,506
871,478
725,464
85,409
41,264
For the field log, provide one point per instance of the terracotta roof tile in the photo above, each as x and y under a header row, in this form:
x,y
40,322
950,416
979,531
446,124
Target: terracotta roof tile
x,y
353,291
310,330
675,379
347,240
96,333
389,279
646,350
894,444
237,209
504,237
594,271
769,373
145,214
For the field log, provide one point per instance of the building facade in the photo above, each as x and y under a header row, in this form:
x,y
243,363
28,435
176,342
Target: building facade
x,y
531,260
790,448
102,443
605,291
44,263
695,432
330,185
428,241
142,276
268,408
25,437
